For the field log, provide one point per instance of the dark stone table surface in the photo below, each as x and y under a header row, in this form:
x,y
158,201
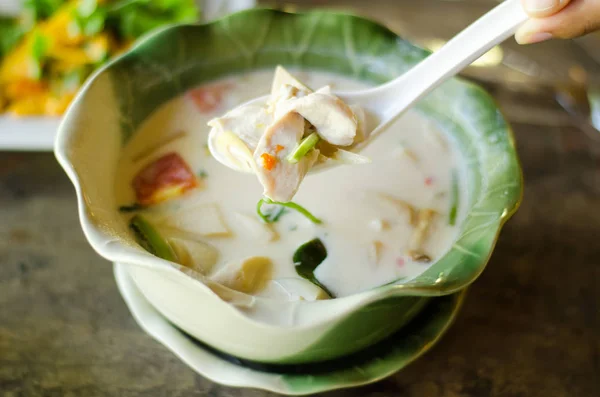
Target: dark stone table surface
x,y
530,326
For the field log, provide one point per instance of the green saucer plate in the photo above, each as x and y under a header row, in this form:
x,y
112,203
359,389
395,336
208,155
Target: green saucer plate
x,y
368,366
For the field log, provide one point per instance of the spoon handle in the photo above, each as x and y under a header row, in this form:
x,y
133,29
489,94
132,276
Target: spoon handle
x,y
465,48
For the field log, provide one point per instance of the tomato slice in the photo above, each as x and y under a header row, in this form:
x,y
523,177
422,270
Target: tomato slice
x,y
166,178
208,98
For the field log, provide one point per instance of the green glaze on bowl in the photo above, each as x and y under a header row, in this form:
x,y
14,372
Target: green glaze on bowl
x,y
370,365
175,59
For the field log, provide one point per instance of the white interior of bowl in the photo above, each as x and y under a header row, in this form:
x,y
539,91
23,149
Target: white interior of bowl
x,y
88,146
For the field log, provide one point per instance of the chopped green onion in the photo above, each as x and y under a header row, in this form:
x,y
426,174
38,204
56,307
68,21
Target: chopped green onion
x,y
270,216
454,199
149,238
290,204
304,147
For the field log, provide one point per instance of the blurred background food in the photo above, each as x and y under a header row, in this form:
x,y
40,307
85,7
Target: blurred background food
x,y
50,48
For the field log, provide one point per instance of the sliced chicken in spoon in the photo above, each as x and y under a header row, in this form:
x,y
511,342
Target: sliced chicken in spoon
x,y
285,134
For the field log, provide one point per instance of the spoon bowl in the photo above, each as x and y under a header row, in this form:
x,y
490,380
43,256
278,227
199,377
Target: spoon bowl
x,y
385,103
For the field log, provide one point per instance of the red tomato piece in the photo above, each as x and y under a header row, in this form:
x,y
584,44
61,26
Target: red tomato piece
x,y
209,97
165,178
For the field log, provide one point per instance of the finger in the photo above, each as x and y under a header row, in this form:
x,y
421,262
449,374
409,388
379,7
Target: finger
x,y
579,18
543,8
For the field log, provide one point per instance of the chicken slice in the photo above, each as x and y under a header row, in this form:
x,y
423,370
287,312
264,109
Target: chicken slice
x,y
333,120
279,177
282,78
246,122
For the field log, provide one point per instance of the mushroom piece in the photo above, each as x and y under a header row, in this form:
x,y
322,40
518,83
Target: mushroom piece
x,y
425,218
203,220
279,177
196,255
374,252
261,231
400,206
249,276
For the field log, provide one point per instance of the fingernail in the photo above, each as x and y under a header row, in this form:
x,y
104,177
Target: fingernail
x,y
534,38
540,5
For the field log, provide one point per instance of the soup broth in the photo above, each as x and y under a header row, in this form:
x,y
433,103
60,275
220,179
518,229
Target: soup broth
x,y
373,215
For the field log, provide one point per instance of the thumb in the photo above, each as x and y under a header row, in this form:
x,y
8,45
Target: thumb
x,y
577,19
543,8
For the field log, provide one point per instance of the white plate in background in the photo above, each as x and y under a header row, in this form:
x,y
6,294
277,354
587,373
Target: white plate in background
x,y
37,133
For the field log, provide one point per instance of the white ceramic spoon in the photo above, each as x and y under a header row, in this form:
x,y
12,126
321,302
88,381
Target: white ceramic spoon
x,y
385,103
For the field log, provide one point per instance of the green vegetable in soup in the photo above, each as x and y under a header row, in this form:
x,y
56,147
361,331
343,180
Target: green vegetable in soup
x,y
149,238
307,258
272,215
303,148
268,218
131,208
454,199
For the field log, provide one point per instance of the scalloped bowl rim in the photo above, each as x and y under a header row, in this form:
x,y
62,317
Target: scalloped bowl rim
x,y
112,250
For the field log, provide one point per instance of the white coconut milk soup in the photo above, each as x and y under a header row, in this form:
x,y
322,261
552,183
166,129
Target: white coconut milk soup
x,y
389,219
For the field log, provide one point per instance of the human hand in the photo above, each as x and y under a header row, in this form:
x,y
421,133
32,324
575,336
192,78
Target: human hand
x,y
564,19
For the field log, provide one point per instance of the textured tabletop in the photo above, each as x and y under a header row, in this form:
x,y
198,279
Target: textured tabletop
x,y
530,325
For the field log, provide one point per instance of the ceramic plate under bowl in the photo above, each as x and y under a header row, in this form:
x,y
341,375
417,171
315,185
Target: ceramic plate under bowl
x,y
371,365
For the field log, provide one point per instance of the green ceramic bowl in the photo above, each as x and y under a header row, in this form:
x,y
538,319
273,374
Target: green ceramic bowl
x,y
168,62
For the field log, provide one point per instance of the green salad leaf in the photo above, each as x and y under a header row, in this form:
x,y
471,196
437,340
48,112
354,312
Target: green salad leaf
x,y
36,10
10,34
133,18
39,50
307,258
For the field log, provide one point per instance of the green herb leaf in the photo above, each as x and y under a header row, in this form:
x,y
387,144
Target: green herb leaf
x,y
290,204
307,258
133,18
149,238
86,8
39,49
10,34
40,46
454,199
89,18
304,147
35,10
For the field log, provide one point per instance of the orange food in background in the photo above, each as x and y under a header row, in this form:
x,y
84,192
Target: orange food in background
x,y
208,98
25,91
